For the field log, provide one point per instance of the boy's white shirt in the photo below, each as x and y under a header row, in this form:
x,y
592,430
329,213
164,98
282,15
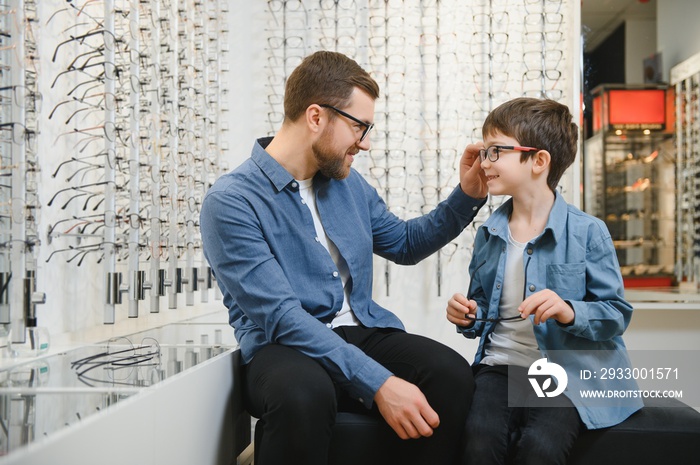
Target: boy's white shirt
x,y
512,342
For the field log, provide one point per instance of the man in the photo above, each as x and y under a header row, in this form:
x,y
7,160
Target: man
x,y
290,236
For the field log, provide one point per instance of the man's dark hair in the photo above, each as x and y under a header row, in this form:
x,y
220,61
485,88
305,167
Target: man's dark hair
x,y
325,78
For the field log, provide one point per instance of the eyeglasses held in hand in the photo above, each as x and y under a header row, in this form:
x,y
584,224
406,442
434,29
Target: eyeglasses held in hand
x,y
493,152
368,126
493,320
470,296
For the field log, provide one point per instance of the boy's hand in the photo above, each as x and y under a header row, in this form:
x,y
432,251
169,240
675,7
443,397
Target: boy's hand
x,y
472,179
546,304
458,307
405,409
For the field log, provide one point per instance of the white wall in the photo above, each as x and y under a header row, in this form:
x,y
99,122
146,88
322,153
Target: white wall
x,y
246,81
678,33
640,43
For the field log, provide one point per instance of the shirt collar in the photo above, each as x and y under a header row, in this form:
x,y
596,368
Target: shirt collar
x,y
558,216
497,224
279,176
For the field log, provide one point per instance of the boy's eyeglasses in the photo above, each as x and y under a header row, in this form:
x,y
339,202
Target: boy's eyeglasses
x,y
368,126
493,152
494,320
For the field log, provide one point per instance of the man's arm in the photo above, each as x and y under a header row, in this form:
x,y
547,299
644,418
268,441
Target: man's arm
x,y
247,270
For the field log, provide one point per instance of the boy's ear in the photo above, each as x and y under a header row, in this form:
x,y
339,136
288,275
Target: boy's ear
x,y
541,161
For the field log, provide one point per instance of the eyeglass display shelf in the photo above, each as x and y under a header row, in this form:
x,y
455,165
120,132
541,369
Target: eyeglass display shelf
x,y
664,298
43,395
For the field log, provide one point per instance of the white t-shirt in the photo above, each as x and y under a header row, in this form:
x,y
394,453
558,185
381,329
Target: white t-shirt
x,y
512,342
345,317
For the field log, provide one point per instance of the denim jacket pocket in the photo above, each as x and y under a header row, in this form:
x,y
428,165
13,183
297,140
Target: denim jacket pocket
x,y
568,280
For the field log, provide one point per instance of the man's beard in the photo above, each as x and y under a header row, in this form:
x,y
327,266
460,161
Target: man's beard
x,y
330,163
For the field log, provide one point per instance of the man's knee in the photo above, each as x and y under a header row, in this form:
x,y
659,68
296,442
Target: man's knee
x,y
308,398
286,385
453,373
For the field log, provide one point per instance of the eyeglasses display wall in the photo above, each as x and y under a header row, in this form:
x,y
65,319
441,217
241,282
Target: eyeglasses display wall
x,y
686,79
116,109
442,65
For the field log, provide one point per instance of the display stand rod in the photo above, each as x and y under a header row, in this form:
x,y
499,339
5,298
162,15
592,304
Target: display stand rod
x,y
207,156
112,279
190,159
156,278
174,238
135,280
18,242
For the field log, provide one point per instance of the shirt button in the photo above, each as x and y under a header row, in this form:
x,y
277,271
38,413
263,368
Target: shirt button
x,y
475,208
335,274
317,239
498,286
362,401
532,288
329,325
294,184
303,201
529,251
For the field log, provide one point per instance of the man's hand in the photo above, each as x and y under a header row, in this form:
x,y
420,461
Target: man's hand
x,y
472,179
546,304
405,409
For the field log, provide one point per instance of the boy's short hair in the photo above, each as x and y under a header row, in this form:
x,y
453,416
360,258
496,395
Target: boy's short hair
x,y
540,123
328,78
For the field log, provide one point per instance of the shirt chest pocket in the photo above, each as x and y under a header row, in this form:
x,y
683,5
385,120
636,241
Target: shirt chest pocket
x,y
568,280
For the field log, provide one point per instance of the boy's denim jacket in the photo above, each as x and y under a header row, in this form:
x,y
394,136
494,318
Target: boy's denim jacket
x,y
575,258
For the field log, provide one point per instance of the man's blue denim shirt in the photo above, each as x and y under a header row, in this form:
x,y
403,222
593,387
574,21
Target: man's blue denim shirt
x,y
279,282
575,258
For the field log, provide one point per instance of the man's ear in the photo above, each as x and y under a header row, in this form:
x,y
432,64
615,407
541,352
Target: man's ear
x,y
541,161
315,120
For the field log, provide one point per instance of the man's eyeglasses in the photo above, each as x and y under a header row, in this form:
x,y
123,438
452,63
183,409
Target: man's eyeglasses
x,y
493,152
368,126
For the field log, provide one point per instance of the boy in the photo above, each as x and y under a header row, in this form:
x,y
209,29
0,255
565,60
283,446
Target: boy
x,y
545,285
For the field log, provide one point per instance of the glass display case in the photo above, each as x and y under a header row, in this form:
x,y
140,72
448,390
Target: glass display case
x,y
629,179
42,396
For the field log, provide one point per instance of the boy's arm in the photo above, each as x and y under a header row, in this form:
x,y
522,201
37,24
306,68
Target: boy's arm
x,y
547,304
603,313
459,309
460,305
